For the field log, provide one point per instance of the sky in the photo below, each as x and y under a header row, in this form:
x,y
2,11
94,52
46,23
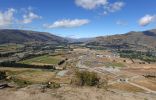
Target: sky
x,y
78,18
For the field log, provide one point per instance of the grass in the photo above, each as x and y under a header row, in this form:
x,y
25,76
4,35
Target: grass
x,y
126,87
29,76
21,83
10,47
36,76
87,63
46,59
114,64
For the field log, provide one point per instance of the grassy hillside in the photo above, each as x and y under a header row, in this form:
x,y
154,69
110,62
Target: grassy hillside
x,y
22,36
135,40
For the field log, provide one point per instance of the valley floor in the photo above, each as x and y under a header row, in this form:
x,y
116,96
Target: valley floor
x,y
125,79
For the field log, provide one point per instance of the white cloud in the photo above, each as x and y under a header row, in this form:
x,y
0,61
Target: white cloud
x,y
104,4
7,17
29,17
147,19
90,4
67,23
121,22
114,6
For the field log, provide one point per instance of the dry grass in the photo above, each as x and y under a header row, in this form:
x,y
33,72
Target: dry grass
x,y
36,76
146,83
72,93
126,87
31,75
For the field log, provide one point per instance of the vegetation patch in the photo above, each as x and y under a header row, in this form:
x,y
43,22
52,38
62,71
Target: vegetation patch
x,y
114,64
2,75
88,63
21,83
86,78
46,59
10,47
52,85
22,65
145,56
26,77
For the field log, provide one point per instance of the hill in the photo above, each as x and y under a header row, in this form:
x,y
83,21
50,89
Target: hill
x,y
22,36
132,40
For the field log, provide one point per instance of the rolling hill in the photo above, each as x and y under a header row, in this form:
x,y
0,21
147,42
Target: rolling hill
x,y
22,36
132,40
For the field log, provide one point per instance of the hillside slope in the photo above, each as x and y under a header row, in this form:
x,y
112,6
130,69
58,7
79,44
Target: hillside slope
x,y
135,40
22,36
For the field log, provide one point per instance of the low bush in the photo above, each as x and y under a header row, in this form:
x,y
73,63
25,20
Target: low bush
x,y
53,85
86,78
2,75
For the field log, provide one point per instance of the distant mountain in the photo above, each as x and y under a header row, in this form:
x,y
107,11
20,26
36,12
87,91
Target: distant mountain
x,y
22,36
131,40
73,40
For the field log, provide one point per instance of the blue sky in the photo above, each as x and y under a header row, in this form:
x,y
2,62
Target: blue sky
x,y
79,18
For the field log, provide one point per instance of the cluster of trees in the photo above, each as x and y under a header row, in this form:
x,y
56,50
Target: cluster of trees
x,y
96,47
87,78
20,65
145,56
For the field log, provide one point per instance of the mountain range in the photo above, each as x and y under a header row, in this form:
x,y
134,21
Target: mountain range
x,y
133,39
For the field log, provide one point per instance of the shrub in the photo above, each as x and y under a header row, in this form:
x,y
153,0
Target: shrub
x,y
87,78
52,85
2,75
103,84
61,62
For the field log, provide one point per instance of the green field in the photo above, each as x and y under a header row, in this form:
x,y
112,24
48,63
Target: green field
x,y
46,59
114,64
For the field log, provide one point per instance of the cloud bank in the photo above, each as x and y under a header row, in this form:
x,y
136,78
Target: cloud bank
x,y
104,4
67,23
29,17
90,4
